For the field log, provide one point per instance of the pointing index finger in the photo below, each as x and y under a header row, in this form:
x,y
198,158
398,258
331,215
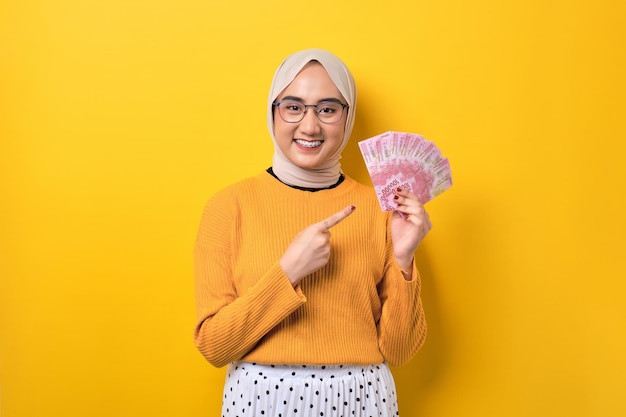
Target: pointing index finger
x,y
336,218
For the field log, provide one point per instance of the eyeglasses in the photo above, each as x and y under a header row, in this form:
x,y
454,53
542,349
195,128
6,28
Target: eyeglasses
x,y
292,111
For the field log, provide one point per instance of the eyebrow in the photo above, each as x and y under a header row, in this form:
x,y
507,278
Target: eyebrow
x,y
294,98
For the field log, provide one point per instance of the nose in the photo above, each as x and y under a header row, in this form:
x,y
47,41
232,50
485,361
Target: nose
x,y
310,123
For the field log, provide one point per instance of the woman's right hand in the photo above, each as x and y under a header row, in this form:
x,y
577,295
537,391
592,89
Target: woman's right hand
x,y
310,249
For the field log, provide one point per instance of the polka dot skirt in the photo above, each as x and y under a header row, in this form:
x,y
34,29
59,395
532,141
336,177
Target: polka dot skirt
x,y
307,391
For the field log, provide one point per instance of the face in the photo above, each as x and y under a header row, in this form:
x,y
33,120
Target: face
x,y
310,142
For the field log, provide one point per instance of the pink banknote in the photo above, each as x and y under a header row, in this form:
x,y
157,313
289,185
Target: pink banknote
x,y
405,160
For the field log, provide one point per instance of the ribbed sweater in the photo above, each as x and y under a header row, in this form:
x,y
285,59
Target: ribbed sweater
x,y
358,309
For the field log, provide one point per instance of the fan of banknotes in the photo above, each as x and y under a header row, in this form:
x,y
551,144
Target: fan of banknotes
x,y
405,160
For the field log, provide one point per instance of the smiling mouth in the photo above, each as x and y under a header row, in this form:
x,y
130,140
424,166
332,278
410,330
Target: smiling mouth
x,y
309,143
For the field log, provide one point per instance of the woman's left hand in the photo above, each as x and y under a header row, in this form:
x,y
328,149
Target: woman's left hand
x,y
409,225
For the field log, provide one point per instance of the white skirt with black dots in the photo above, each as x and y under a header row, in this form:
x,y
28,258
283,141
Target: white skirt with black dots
x,y
254,390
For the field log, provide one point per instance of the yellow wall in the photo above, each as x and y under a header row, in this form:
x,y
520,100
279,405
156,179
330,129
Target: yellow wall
x,y
115,129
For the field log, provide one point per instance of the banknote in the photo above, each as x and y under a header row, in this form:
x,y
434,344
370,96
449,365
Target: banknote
x,y
405,160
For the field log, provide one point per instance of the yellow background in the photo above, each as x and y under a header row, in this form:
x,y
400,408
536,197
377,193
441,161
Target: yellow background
x,y
119,118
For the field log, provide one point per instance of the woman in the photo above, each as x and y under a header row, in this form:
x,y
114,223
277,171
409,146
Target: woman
x,y
305,288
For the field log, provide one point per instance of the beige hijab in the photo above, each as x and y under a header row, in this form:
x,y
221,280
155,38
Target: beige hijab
x,y
328,173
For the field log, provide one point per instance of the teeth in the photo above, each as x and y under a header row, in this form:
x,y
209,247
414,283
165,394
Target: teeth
x,y
309,144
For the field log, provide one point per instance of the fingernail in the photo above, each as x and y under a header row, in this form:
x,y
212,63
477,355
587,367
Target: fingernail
x,y
353,207
398,189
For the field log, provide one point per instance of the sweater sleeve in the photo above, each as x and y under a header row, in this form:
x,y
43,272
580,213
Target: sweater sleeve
x,y
402,325
230,324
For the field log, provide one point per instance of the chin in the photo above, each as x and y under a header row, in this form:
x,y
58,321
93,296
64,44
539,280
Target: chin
x,y
305,163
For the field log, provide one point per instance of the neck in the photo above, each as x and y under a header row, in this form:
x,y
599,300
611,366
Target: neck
x,y
270,171
293,175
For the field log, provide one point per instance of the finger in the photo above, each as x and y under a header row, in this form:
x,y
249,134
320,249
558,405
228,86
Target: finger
x,y
408,205
336,218
415,209
404,195
420,220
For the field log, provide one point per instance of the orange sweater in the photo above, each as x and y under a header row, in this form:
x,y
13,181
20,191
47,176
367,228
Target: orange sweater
x,y
358,309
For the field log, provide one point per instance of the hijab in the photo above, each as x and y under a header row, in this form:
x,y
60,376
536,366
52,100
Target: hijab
x,y
327,173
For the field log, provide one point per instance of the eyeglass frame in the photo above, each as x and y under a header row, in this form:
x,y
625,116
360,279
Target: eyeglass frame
x,y
343,107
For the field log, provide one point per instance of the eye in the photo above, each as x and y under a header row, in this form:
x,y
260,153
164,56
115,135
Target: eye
x,y
328,108
292,106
